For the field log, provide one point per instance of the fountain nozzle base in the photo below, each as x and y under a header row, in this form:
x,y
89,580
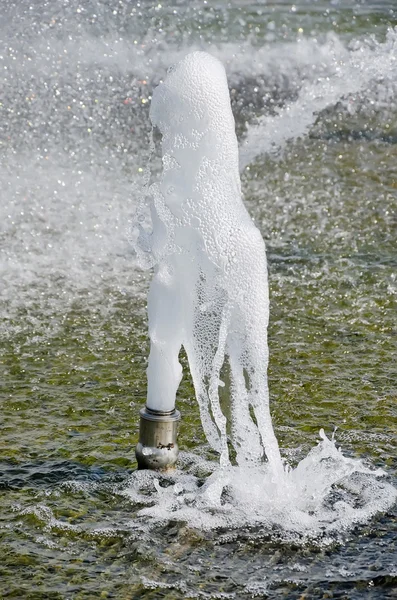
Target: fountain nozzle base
x,y
157,448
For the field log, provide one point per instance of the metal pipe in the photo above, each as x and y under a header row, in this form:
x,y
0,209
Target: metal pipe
x,y
157,448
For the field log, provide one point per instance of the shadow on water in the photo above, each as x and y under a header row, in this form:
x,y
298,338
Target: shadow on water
x,y
45,474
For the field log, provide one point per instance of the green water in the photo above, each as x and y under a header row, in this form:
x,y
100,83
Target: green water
x,y
73,358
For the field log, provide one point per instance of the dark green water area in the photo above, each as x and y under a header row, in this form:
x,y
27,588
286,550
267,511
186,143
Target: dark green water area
x,y
76,80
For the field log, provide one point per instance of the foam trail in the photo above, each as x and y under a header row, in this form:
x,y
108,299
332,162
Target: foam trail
x,y
210,291
352,75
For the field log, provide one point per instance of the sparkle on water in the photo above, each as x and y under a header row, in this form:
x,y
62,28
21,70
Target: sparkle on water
x,y
77,520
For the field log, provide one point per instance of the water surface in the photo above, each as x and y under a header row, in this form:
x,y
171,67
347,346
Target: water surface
x,y
75,91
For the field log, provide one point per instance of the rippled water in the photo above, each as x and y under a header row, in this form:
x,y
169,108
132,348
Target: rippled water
x,y
76,81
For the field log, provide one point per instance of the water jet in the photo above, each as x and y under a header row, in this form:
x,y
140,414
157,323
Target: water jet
x,y
209,292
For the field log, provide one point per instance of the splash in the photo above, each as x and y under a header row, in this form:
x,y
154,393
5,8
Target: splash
x,y
319,501
352,73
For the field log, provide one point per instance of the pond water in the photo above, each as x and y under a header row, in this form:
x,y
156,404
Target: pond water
x,y
313,88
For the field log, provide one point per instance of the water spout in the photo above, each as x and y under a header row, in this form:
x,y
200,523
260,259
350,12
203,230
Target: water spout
x,y
209,292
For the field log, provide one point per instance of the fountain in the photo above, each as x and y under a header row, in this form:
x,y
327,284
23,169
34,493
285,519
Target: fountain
x,y
209,295
209,292
312,90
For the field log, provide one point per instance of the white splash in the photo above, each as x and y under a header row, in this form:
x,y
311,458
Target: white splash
x,y
352,73
320,500
209,293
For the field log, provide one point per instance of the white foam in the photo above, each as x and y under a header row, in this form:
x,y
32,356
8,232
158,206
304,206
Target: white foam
x,y
320,500
210,291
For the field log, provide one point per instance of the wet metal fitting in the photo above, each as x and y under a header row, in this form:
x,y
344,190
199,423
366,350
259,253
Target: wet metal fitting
x,y
157,448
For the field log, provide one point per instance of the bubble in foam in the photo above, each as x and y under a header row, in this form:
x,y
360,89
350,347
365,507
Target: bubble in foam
x,y
209,293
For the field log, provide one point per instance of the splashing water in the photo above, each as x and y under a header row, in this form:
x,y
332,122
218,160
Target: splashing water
x,y
320,500
76,83
353,72
209,294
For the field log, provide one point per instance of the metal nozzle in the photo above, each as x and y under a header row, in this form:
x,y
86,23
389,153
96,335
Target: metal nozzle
x,y
157,448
